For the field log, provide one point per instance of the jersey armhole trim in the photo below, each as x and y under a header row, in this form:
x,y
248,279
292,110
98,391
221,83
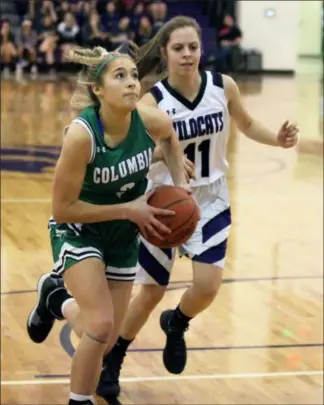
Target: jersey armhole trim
x,y
87,127
156,93
150,136
217,80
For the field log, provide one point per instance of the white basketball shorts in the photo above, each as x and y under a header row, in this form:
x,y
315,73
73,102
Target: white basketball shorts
x,y
207,244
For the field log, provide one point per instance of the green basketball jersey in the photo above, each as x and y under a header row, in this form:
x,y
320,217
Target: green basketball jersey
x,y
116,175
113,176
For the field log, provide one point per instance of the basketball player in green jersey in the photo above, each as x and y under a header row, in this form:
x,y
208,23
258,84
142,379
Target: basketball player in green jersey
x,y
99,205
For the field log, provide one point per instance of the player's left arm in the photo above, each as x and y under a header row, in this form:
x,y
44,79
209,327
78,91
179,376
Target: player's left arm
x,y
286,137
160,127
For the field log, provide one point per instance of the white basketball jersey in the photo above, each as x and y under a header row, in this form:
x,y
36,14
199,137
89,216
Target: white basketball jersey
x,y
202,127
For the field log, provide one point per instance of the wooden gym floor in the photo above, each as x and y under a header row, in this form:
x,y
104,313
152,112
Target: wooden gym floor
x,y
261,341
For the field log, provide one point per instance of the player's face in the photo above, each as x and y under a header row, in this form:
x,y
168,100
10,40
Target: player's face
x,y
183,51
121,87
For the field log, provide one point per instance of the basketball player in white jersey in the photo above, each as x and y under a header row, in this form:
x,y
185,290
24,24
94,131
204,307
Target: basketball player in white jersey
x,y
200,104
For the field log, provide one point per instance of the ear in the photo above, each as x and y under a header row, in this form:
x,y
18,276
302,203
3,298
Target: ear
x,y
96,90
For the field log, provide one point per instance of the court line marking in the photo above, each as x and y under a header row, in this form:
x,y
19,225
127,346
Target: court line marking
x,y
178,378
181,284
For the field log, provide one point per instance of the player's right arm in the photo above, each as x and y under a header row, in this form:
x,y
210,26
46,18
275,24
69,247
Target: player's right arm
x,y
148,99
68,180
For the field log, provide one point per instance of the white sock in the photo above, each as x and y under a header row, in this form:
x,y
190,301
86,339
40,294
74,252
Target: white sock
x,y
65,304
78,397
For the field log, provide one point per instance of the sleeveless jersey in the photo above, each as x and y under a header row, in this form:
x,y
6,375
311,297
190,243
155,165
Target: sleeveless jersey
x,y
113,176
116,175
202,127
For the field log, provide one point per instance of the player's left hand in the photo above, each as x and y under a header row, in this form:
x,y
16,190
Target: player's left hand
x,y
288,135
186,187
189,191
189,169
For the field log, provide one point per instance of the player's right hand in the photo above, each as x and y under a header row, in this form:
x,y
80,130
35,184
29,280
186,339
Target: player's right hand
x,y
144,216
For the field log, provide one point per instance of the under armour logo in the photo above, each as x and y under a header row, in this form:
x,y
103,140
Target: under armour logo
x,y
172,112
99,149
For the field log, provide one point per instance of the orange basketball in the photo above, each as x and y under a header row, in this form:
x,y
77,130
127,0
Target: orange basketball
x,y
183,223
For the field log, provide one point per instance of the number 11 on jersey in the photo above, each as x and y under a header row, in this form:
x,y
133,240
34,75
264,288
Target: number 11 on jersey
x,y
202,148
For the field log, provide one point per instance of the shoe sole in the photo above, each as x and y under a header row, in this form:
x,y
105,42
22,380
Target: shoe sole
x,y
108,397
39,288
113,394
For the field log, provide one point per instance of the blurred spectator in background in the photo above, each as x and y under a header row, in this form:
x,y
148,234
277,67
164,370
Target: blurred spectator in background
x,y
62,8
51,27
8,48
158,11
75,6
229,39
121,33
137,14
82,10
230,34
93,32
48,39
86,9
127,6
144,32
26,41
68,32
37,11
110,17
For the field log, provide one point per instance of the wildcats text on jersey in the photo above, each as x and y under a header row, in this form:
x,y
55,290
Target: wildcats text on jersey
x,y
199,126
141,161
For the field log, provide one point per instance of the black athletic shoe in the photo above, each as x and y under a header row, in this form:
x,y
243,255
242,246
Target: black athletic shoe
x,y
108,386
175,350
41,320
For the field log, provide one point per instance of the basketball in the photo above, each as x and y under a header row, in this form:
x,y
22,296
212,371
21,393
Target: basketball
x,y
183,223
